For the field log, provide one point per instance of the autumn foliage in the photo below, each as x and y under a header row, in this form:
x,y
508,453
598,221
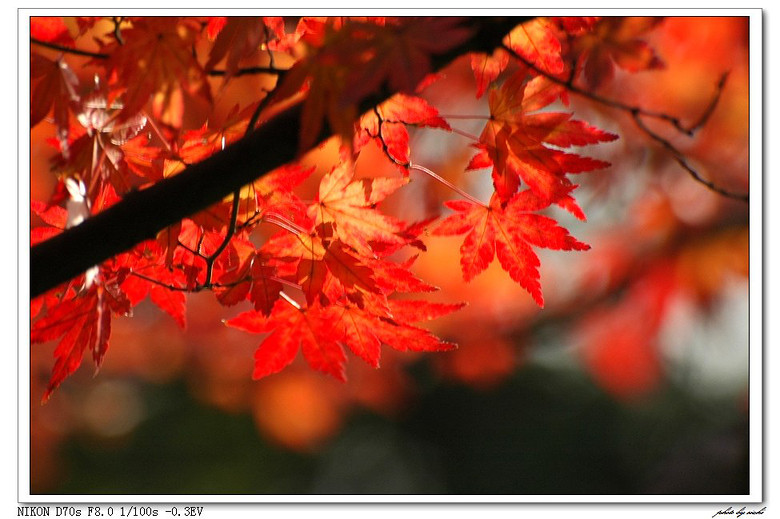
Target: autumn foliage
x,y
308,255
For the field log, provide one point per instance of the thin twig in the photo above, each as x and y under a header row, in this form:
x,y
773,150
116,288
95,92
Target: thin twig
x,y
249,71
613,103
231,229
191,251
283,222
465,134
101,55
682,161
160,283
638,112
713,103
117,30
68,50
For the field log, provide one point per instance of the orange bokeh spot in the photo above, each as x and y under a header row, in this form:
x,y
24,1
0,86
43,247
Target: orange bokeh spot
x,y
298,409
481,362
624,360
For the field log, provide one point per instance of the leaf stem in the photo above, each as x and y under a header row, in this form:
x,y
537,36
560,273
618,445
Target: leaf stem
x,y
466,117
283,222
291,301
447,183
465,134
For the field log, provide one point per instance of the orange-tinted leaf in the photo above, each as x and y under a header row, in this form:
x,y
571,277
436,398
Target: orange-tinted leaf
x,y
232,272
387,126
537,42
237,37
400,54
364,330
355,59
615,41
309,330
350,206
173,302
50,29
53,84
526,146
265,288
507,231
487,68
84,323
156,61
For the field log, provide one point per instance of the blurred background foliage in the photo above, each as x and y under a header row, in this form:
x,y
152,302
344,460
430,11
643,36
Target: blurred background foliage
x,y
632,380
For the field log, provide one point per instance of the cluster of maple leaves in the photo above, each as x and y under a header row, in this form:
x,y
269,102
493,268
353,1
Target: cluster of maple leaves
x,y
338,273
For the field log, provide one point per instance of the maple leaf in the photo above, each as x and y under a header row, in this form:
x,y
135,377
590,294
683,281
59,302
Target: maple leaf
x,y
55,85
386,126
350,206
274,195
355,60
527,146
537,42
239,37
266,288
155,62
83,322
487,68
165,287
507,230
52,29
232,271
103,147
319,331
323,75
364,330
324,267
614,41
53,216
292,329
400,54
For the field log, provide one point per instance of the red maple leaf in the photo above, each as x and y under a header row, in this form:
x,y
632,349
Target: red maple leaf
x,y
527,146
52,29
293,329
487,68
55,85
614,41
507,231
350,206
355,59
538,43
239,37
82,321
386,126
364,330
155,62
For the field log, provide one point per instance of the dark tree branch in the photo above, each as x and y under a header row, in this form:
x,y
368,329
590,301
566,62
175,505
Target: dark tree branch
x,y
141,215
68,50
249,71
231,229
